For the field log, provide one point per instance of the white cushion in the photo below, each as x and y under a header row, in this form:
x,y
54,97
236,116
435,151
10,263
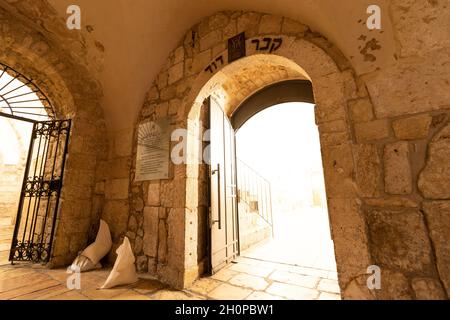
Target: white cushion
x,y
124,270
102,245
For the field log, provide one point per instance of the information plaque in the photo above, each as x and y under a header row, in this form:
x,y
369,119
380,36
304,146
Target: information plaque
x,y
153,150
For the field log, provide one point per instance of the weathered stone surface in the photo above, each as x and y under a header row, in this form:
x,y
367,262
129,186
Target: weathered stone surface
x,y
432,24
357,290
176,73
132,224
249,22
392,202
338,171
293,27
416,127
210,40
361,110
399,239
434,180
394,286
162,246
350,238
397,169
428,289
270,24
153,195
438,217
117,189
368,169
115,213
373,130
141,264
151,231
414,78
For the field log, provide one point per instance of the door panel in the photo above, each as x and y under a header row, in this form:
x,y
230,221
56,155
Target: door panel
x,y
39,200
223,219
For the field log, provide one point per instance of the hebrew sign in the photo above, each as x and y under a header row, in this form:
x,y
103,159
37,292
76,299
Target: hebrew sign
x,y
236,47
153,150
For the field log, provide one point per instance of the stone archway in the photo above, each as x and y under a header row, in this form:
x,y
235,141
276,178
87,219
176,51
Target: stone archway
x,y
197,69
377,214
75,94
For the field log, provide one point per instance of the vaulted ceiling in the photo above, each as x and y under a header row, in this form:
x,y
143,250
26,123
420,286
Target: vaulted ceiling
x,y
137,36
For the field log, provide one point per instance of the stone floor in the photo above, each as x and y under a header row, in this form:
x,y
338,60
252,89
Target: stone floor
x,y
297,264
245,279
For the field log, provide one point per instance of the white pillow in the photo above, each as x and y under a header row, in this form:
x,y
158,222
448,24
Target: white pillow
x,y
83,264
102,245
124,270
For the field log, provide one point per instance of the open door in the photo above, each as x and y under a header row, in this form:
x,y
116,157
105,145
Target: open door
x,y
41,189
224,244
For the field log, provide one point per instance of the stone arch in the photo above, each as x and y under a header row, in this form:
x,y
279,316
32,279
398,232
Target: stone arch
x,y
199,68
75,95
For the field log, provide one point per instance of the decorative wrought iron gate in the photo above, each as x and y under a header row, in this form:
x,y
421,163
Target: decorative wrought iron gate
x,y
41,189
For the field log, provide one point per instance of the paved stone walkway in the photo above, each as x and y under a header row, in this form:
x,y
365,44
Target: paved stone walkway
x,y
246,279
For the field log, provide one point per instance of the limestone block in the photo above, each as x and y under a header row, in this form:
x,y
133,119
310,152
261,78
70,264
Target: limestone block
x,y
392,202
152,94
230,30
438,217
270,24
372,130
428,289
179,55
168,93
151,231
394,286
357,290
138,203
368,169
217,21
412,85
132,224
175,237
162,80
210,40
117,189
397,169
431,21
141,264
115,213
329,95
173,193
361,110
162,247
434,180
338,171
138,244
176,72
399,239
350,239
293,27
153,195
411,128
249,23
199,63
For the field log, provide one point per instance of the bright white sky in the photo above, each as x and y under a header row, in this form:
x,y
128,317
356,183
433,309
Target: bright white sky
x,y
282,144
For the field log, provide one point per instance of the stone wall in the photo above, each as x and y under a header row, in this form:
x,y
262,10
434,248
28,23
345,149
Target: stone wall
x,y
54,58
384,143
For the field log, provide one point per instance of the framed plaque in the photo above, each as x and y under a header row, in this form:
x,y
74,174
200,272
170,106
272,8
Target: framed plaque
x,y
236,47
153,150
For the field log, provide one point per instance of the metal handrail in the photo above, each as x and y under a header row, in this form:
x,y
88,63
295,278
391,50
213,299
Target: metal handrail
x,y
254,188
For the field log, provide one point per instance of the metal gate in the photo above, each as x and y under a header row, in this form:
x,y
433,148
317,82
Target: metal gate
x,y
38,205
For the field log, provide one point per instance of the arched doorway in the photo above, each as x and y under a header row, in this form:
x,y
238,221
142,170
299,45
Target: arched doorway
x,y
289,265
32,169
178,253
